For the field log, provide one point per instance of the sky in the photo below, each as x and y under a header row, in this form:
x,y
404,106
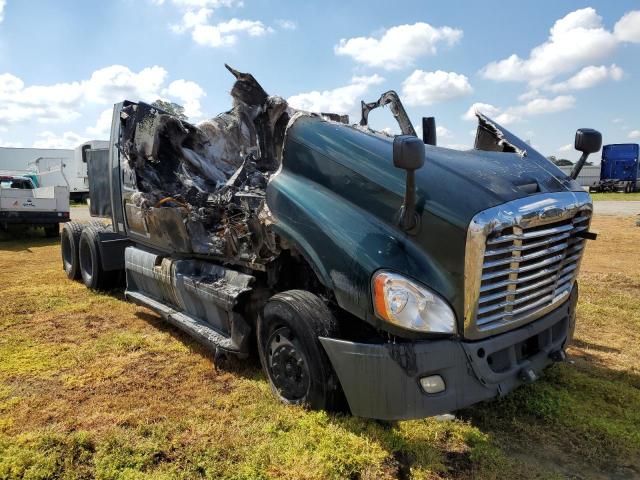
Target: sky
x,y
542,69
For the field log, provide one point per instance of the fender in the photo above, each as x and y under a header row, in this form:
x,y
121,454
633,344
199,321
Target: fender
x,y
344,243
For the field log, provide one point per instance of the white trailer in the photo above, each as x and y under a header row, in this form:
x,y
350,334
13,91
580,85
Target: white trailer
x,y
45,163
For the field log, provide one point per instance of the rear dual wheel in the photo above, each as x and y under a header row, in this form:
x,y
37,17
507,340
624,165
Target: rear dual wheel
x,y
94,276
69,243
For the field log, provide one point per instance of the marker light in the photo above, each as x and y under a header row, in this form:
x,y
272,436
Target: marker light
x,y
409,305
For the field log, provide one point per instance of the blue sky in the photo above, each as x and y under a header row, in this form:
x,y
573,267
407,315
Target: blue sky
x,y
542,68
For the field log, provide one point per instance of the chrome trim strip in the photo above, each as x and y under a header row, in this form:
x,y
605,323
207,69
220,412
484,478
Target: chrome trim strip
x,y
532,211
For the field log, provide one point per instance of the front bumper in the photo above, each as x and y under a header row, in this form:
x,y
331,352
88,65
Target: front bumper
x,y
382,381
33,218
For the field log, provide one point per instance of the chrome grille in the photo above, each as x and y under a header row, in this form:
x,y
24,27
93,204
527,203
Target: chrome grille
x,y
527,262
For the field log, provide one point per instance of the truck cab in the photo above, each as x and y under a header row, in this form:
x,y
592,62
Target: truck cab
x,y
379,272
619,168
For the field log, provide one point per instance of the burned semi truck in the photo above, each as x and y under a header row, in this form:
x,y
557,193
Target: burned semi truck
x,y
407,279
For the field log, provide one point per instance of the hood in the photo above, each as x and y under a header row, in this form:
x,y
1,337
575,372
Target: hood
x,y
458,184
452,184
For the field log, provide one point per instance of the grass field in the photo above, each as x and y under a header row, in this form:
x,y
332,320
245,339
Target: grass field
x,y
616,196
94,387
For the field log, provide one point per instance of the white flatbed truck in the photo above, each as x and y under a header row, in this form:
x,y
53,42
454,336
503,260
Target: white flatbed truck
x,y
22,203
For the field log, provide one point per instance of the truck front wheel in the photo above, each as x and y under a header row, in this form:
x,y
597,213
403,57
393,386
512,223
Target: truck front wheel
x,y
296,365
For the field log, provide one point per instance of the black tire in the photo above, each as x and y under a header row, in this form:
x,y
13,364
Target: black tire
x,y
69,245
98,225
292,357
52,231
93,275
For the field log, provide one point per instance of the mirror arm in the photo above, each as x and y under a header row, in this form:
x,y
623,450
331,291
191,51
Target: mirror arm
x,y
575,171
408,217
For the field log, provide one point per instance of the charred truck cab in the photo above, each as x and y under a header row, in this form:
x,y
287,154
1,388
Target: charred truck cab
x,y
408,279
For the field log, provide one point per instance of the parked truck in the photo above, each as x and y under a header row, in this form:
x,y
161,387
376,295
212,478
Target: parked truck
x,y
407,279
619,169
23,203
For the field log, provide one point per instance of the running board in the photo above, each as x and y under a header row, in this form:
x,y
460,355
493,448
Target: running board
x,y
199,330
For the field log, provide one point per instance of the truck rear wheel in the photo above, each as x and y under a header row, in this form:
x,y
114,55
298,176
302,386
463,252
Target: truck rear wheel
x,y
69,243
295,362
93,275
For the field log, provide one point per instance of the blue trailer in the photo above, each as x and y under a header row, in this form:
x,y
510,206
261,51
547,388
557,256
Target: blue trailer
x,y
618,169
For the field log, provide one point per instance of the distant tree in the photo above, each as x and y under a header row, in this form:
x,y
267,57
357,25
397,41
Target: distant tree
x,y
171,108
561,162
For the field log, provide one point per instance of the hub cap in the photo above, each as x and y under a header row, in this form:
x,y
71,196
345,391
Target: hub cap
x,y
289,370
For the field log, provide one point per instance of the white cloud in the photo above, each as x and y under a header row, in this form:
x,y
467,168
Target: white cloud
x,y
117,82
457,146
192,4
627,29
634,134
102,128
399,46
539,106
189,93
66,140
485,108
3,3
207,3
220,34
588,77
63,102
441,132
10,144
425,88
565,148
339,100
575,40
287,24
536,106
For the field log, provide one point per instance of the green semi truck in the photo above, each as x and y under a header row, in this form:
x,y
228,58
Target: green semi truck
x,y
377,273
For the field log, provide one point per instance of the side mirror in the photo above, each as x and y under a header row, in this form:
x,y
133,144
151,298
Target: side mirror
x,y
587,141
408,154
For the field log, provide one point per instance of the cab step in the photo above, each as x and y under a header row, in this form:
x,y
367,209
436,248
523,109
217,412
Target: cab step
x,y
199,330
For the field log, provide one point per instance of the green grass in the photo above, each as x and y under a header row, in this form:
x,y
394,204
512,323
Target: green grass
x,y
616,196
94,387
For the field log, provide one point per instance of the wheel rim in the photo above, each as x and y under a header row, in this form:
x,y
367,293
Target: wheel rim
x,y
288,365
66,251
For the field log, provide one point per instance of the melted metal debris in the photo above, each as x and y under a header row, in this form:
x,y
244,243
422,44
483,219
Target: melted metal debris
x,y
397,109
215,174
492,137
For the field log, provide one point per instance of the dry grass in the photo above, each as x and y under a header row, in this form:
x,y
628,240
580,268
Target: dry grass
x,y
616,196
94,387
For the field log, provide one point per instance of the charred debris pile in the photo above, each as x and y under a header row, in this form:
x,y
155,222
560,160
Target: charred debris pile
x,y
214,174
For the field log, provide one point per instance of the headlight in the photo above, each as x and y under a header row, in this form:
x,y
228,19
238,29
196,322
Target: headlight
x,y
407,304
